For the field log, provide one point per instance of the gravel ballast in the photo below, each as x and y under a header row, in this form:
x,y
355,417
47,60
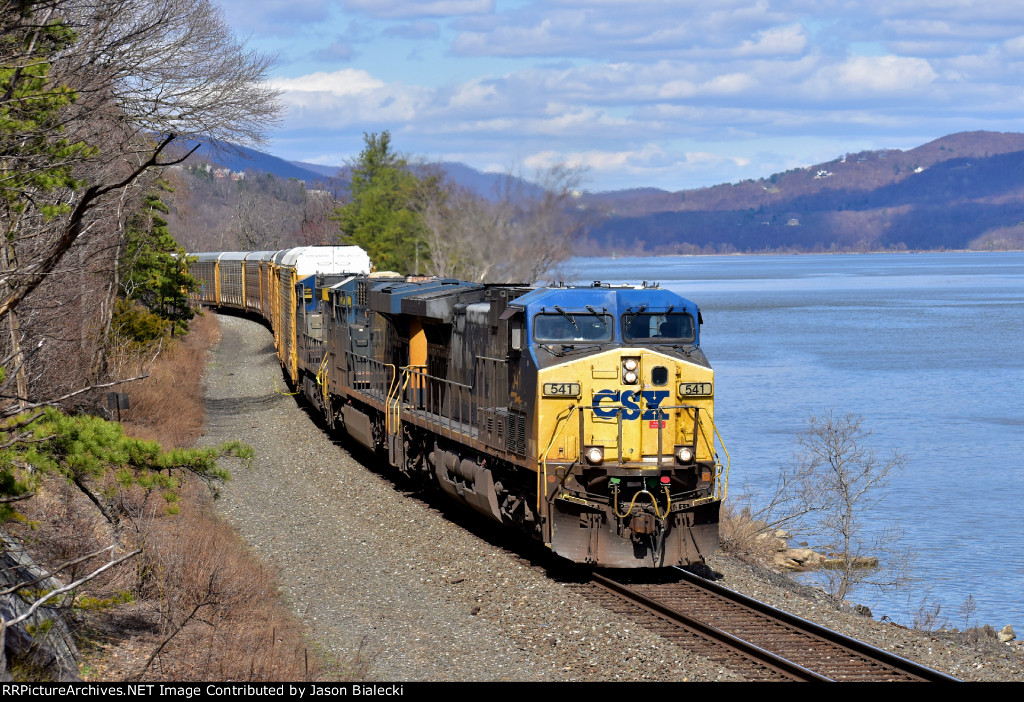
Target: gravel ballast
x,y
370,568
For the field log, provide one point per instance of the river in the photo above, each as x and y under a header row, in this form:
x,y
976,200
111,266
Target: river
x,y
928,348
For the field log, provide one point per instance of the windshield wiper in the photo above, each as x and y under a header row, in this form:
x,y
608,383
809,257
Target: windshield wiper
x,y
633,316
571,319
600,317
566,349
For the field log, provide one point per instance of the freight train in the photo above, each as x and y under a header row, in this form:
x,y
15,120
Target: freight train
x,y
582,415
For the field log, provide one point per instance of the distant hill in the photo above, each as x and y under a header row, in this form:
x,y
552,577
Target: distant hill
x,y
324,171
964,190
961,191
241,158
484,184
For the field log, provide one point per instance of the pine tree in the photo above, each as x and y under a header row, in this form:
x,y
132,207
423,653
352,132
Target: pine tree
x,y
93,453
381,218
156,267
34,158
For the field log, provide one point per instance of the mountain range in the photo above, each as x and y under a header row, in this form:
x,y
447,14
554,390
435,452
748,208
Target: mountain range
x,y
961,191
240,158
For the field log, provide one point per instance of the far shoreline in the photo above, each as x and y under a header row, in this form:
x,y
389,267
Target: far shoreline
x,y
614,256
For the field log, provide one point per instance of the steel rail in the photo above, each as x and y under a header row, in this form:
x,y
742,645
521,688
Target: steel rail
x,y
750,651
856,646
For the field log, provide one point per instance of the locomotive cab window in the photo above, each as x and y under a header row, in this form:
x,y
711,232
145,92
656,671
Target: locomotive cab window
x,y
569,326
665,328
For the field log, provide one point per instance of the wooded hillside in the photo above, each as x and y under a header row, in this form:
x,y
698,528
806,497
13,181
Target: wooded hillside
x,y
961,191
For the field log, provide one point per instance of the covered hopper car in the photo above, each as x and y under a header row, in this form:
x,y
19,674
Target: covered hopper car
x,y
582,415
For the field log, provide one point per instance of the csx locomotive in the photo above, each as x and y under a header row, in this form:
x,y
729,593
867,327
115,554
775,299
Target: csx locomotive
x,y
583,415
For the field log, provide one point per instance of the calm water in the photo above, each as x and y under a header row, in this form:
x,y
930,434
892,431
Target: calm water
x,y
929,348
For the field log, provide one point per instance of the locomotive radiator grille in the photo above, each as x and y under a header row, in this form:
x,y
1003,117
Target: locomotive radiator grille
x,y
515,437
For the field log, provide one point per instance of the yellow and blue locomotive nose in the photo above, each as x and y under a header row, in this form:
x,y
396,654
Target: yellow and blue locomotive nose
x,y
635,407
626,444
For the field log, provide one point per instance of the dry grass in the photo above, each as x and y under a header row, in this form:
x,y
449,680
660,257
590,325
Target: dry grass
x,y
741,534
168,405
220,616
204,607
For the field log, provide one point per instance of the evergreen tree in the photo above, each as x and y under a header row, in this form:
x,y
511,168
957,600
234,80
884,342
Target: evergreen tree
x,y
156,267
381,217
34,158
94,454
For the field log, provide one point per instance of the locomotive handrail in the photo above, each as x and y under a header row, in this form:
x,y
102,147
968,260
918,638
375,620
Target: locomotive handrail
x,y
321,380
431,399
723,483
542,474
354,360
393,404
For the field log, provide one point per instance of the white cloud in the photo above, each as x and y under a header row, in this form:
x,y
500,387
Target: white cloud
x,y
704,158
776,41
407,9
677,89
348,81
874,76
962,11
599,161
618,30
272,17
570,121
651,160
473,93
340,50
730,84
348,96
1015,46
421,29
661,89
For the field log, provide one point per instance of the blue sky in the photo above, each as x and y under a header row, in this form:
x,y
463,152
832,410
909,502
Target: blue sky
x,y
670,94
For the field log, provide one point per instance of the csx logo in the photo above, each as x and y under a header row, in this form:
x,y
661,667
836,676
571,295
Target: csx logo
x,y
630,402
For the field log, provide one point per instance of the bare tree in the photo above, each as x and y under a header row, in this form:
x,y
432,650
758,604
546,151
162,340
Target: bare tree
x,y
839,481
260,222
519,236
828,493
20,576
171,68
123,79
318,204
460,224
94,95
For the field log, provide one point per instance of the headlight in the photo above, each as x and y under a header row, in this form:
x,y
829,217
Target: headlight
x,y
630,366
684,454
594,455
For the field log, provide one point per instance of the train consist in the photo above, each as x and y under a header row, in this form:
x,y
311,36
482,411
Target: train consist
x,y
581,415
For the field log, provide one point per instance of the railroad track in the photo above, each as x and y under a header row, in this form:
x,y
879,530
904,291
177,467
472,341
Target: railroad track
x,y
752,638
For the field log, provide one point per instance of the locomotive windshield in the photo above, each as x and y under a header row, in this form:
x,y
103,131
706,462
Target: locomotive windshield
x,y
572,326
672,327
